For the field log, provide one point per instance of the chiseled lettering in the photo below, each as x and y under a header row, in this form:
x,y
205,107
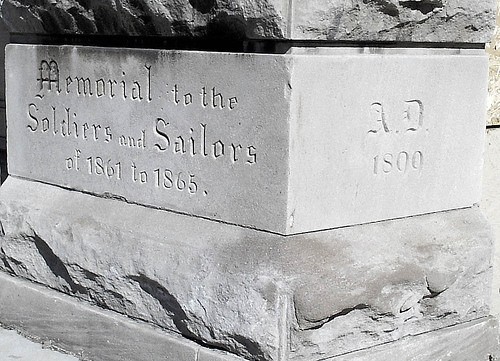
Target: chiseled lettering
x,y
408,117
100,87
159,130
199,143
83,86
379,119
235,149
48,74
179,145
68,83
148,68
233,101
175,92
217,99
203,94
108,134
136,91
188,99
218,149
85,128
414,115
34,108
111,89
252,155
96,128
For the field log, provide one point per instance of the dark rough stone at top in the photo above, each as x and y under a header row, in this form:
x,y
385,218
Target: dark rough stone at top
x,y
449,21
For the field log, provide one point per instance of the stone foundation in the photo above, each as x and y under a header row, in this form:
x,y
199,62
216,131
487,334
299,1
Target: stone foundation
x,y
253,294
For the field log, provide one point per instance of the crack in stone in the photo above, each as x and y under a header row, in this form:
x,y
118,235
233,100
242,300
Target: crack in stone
x,y
343,312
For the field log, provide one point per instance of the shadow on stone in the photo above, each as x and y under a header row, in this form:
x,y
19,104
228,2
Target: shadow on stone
x,y
56,265
203,6
167,301
226,26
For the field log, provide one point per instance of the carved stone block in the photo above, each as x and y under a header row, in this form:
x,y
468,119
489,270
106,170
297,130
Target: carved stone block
x,y
309,140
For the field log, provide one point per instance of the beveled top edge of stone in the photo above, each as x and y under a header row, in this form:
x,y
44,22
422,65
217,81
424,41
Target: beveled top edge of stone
x,y
293,51
374,50
136,50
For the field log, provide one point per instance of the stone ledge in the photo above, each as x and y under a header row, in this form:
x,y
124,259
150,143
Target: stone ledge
x,y
475,340
258,295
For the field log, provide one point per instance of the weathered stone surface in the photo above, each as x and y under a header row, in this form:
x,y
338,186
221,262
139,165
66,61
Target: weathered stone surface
x,y
4,39
493,49
395,20
56,319
233,19
466,21
15,347
90,333
477,340
490,205
249,139
259,295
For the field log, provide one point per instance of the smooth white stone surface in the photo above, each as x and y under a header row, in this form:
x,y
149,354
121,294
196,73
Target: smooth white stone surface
x,y
15,347
309,140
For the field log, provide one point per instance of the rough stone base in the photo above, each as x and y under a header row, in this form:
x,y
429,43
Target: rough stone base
x,y
92,334
88,332
257,295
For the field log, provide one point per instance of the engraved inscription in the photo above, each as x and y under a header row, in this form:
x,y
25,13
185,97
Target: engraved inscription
x,y
48,75
197,142
398,163
64,123
378,119
109,169
56,112
122,88
169,180
411,118
413,115
391,126
208,98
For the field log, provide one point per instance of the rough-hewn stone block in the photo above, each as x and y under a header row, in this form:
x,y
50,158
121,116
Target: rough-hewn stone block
x,y
89,332
450,21
462,21
259,295
55,319
310,140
